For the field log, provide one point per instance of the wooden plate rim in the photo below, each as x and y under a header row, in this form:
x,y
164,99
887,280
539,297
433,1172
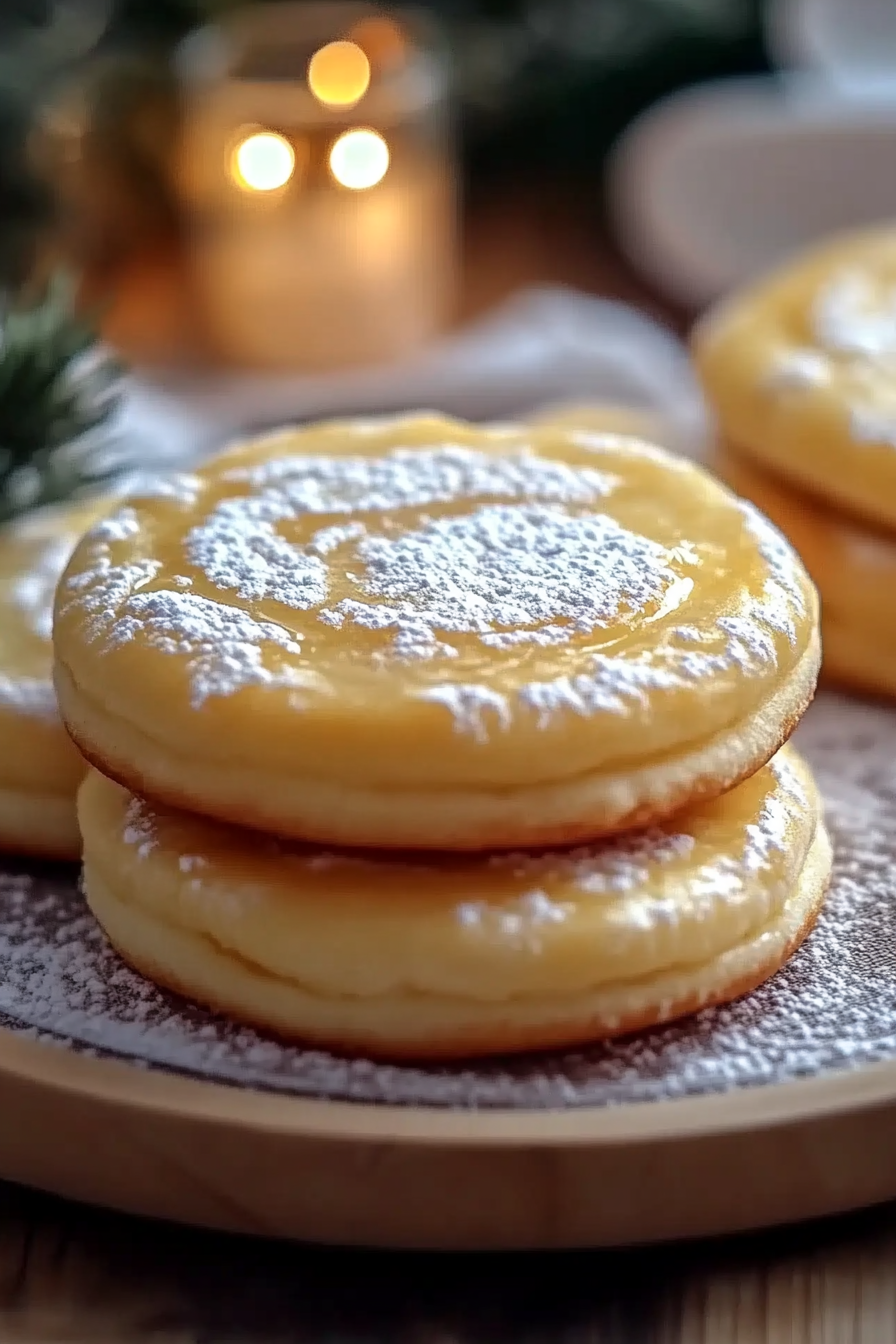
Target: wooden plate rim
x,y
174,1096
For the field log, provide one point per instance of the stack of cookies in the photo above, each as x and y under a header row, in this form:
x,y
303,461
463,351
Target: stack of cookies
x,y
423,739
40,770
801,372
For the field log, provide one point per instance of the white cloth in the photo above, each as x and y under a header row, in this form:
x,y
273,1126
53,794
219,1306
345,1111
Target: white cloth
x,y
540,347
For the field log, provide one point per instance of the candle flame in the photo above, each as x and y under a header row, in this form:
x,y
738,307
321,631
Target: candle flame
x,y
359,159
264,161
339,74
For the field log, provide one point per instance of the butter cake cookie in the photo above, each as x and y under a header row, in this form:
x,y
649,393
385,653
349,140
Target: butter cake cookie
x,y
800,370
436,956
419,633
40,770
854,569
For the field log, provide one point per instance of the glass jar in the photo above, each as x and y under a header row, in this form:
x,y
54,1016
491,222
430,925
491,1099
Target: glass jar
x,y
318,182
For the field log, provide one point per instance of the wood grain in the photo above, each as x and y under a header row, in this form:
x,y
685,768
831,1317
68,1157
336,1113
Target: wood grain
x,y
71,1275
154,1143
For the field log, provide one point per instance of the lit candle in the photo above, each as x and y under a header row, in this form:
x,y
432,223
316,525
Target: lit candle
x,y
317,175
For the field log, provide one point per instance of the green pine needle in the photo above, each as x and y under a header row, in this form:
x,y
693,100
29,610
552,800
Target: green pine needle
x,y
57,394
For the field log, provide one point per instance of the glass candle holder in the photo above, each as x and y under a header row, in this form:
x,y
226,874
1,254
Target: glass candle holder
x,y
318,182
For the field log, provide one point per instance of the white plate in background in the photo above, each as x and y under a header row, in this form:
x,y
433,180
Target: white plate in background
x,y
718,183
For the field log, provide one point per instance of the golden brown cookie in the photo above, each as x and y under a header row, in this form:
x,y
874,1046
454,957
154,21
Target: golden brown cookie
x,y
420,633
800,370
439,957
40,770
854,568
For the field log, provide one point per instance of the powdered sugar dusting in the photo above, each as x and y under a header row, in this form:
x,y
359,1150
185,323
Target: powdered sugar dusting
x,y
833,1007
854,322
118,526
139,828
239,549
611,869
522,563
783,603
31,594
414,478
854,316
476,710
223,645
627,865
615,866
798,370
517,923
48,545
620,685
497,565
522,559
180,486
29,695
502,565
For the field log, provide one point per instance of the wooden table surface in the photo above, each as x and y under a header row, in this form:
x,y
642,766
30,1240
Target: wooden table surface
x,y
70,1274
77,1276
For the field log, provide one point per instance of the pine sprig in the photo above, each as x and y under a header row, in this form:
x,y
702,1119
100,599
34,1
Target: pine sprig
x,y
58,393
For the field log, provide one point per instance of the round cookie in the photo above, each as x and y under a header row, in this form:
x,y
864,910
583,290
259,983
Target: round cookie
x,y
853,567
40,770
423,634
472,955
800,370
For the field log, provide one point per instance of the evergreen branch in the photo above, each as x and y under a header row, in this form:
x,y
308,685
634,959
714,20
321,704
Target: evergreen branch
x,y
58,393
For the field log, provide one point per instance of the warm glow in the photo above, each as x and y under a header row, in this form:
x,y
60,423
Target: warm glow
x,y
264,161
339,74
382,39
359,159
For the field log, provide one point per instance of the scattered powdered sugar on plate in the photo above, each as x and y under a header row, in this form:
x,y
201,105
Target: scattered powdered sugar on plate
x,y
833,1007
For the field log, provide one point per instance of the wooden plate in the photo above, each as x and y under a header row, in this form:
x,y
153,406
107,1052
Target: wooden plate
x,y
223,1157
779,1107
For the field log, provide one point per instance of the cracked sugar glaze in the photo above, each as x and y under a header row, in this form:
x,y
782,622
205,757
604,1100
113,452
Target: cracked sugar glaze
x,y
421,600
